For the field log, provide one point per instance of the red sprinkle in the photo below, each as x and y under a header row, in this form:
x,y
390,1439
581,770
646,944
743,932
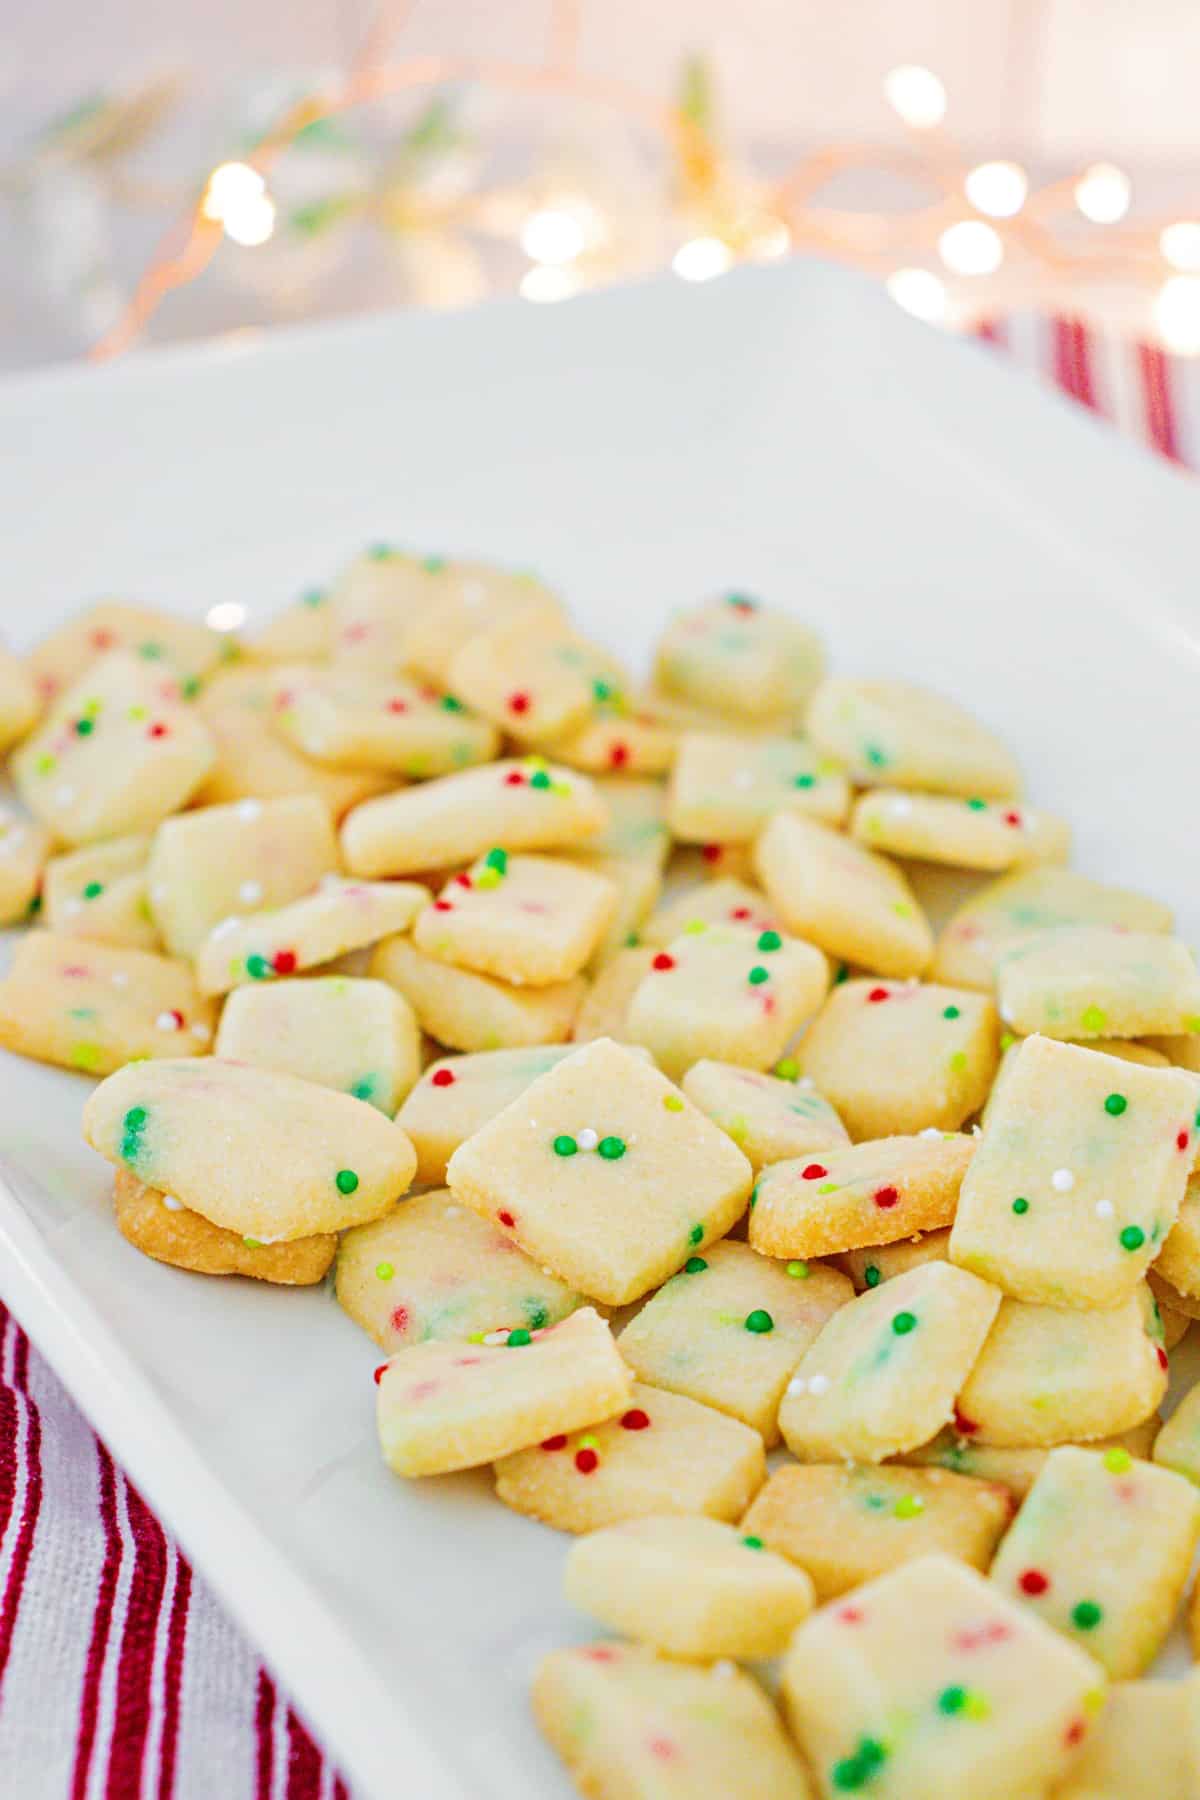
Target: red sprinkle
x,y
618,755
557,1442
176,1018
1182,1141
157,730
586,1461
1075,1731
463,880
635,1419
814,1171
1162,1357
663,961
599,1653
284,962
1012,818
397,706
514,778
354,634
400,1318
662,1747
443,1078
711,852
518,703
506,1218
380,1372
886,1196
878,994
103,640
965,1427
849,1615
978,1637
740,912
1033,1582
442,906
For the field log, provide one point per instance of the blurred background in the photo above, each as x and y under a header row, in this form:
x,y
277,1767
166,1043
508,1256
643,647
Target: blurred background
x,y
209,166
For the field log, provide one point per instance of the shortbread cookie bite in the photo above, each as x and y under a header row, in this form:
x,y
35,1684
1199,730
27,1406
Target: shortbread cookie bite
x,y
636,823
444,1406
728,994
663,1454
375,603
888,733
846,1525
468,1011
100,892
1145,1745
725,788
1078,1177
92,1007
1088,981
632,1724
1101,1550
849,1196
694,1588
24,847
117,752
1177,1445
1062,1375
738,656
849,901
992,835
605,1008
605,1172
161,1227
465,598
339,916
730,1328
355,719
1008,911
993,1703
180,649
769,1117
882,1262
262,1153
883,1374
431,1269
524,919
620,735
340,1031
222,862
896,1057
253,762
19,700
456,1095
1013,1466
535,684
725,901
526,805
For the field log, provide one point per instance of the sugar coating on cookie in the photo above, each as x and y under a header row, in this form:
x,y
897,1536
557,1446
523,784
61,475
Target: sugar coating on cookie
x,y
161,1227
1088,981
1064,1375
338,916
222,862
1177,1445
993,1703
523,919
851,902
253,762
1015,1466
100,892
663,1453
695,1588
1101,1550
535,684
725,788
524,805
852,1195
605,1008
167,645
725,901
353,719
1145,1745
735,655
602,1170
444,1405
92,1007
632,1724
24,847
846,1524
469,1011
456,1095
20,702
1078,1177
727,993
895,1057
1010,910
769,1117
730,1328
882,1262
263,1153
465,598
116,753
883,1375
891,733
974,833
432,1269
341,1031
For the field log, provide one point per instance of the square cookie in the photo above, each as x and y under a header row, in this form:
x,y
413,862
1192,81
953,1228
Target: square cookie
x,y
854,1195
896,734
725,788
636,825
896,1057
182,649
845,1524
100,892
1144,1746
457,1095
602,1170
730,1328
342,1032
536,683
736,655
1078,1177
353,719
375,604
467,1011
1088,981
523,919
883,1375
337,917
769,1117
1014,1466
464,599
663,1454
725,901
992,835
621,736
854,904
444,1406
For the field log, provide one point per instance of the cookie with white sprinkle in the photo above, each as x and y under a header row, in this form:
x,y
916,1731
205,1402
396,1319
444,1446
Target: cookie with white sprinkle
x,y
991,835
736,655
161,1227
463,599
725,788
895,734
254,762
357,1036
1087,981
338,916
181,649
100,892
357,719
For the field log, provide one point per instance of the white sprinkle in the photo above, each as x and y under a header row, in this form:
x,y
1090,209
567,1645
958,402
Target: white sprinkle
x,y
250,893
1062,1181
1006,1014
901,806
744,778
797,1385
1104,1209
724,1668
248,809
588,1139
805,1081
167,1021
158,893
203,1032
496,1337
71,907
817,1384
172,1204
330,881
474,593
930,1131
120,978
452,1212
64,795
223,927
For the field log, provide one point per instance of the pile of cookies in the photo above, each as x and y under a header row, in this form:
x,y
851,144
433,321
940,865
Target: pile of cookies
x,y
598,1039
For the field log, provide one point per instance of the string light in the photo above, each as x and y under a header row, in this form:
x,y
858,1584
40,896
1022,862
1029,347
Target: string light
x,y
916,95
548,282
919,292
1177,314
997,188
701,258
251,221
1180,245
1102,193
230,186
971,248
552,237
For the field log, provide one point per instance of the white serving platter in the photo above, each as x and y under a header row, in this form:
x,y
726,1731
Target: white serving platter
x,y
788,432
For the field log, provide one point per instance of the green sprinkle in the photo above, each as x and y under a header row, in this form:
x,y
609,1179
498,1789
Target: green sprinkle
x,y
518,1338
871,1752
952,1700
611,1148
135,1118
843,974
1093,1018
93,890
1086,1615
384,1270
379,553
804,781
252,1243
977,805
1132,1238
450,704
345,1181
313,597
1020,1205
539,779
433,565
190,687
758,975
694,1265
44,764
903,1323
151,651
87,1057
753,1198
952,1012
872,1276
769,940
565,1145
537,1315
84,727
908,1506
850,1774
498,860
1118,1461
752,1542
364,1089
602,690
258,967
876,757
1116,1104
759,1321
798,1271
788,1069
696,1234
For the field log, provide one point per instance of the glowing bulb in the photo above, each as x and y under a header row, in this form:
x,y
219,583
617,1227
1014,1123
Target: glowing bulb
x,y
229,187
997,188
917,95
1180,244
919,292
546,283
1102,194
226,615
552,237
971,248
1177,314
701,258
772,242
251,221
